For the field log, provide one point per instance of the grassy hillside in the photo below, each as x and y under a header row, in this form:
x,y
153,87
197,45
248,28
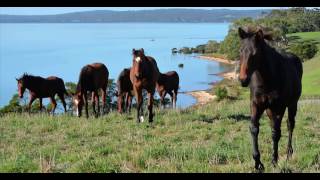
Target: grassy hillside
x,y
212,138
311,74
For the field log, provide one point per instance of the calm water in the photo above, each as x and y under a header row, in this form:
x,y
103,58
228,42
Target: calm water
x,y
62,49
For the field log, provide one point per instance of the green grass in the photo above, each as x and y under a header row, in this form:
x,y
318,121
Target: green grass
x,y
311,68
212,138
307,35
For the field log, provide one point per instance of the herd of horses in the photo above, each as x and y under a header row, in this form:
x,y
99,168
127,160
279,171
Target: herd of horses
x,y
144,74
274,79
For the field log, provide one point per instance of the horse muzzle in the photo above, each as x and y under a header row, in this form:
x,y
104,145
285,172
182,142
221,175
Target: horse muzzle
x,y
245,82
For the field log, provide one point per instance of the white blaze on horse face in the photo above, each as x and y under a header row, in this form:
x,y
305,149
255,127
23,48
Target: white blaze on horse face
x,y
76,102
138,59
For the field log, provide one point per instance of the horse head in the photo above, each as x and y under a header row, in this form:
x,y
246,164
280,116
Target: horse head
x,y
138,62
251,45
78,102
21,84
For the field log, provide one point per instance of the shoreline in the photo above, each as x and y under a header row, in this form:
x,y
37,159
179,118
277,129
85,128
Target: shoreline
x,y
216,59
202,96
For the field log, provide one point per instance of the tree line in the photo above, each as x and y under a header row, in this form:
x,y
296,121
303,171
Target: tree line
x,y
278,22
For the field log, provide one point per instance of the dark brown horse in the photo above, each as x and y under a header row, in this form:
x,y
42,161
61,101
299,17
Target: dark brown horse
x,y
92,78
144,74
274,79
168,83
42,88
125,89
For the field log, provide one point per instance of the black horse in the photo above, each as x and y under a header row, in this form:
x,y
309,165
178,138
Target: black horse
x,y
40,87
274,79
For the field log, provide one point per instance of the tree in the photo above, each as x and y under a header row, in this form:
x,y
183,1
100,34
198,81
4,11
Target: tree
x,y
212,47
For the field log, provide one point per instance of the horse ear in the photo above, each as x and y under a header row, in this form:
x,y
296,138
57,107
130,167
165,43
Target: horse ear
x,y
142,50
242,33
17,79
133,50
259,34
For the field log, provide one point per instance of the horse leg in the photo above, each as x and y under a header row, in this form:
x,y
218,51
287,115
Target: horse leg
x,y
97,103
32,98
150,106
120,102
54,103
129,102
163,95
138,93
175,97
40,106
171,95
104,96
61,96
86,104
292,111
256,113
93,99
275,116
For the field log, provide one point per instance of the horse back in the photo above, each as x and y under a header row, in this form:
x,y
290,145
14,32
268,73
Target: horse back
x,y
124,83
170,80
94,76
55,82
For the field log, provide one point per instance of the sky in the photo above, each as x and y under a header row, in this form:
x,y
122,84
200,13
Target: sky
x,y
59,10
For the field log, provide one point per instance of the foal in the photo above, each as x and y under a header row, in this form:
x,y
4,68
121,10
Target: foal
x,y
42,88
274,79
168,83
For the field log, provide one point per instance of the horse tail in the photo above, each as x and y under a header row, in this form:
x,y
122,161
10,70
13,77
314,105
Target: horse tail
x,y
64,90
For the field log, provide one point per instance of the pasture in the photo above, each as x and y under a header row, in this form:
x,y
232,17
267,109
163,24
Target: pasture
x,y
311,68
210,138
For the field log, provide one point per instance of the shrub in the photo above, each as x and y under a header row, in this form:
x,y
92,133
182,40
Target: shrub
x,y
304,49
221,93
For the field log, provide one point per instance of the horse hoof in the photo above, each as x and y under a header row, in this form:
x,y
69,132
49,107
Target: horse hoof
x,y
259,167
275,163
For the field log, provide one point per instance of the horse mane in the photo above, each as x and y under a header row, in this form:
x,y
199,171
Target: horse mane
x,y
82,77
267,32
27,77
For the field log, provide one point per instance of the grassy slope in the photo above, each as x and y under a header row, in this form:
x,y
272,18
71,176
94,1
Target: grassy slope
x,y
213,138
311,76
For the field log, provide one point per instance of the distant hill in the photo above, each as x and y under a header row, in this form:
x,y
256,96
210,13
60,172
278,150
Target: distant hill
x,y
160,15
